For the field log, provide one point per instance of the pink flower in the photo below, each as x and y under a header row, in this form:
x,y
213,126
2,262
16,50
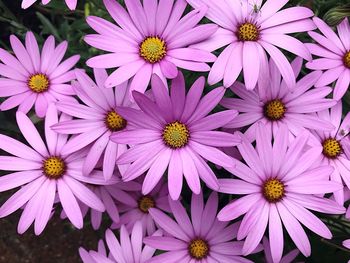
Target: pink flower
x,y
148,39
130,249
95,121
335,145
205,239
279,186
334,53
278,105
288,258
249,30
112,193
72,4
43,170
136,208
32,78
175,132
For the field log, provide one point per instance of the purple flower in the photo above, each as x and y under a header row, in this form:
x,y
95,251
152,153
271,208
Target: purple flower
x,y
42,171
175,132
335,145
249,30
137,208
279,186
205,239
130,249
278,105
112,193
72,4
288,258
152,38
32,78
334,53
95,121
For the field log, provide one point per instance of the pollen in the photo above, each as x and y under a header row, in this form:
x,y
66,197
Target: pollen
x,y
153,49
346,59
176,135
54,167
248,32
331,148
198,249
273,190
274,110
114,121
145,203
39,83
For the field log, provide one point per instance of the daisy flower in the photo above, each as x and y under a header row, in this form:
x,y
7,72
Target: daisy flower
x,y
138,205
42,171
31,78
199,239
335,144
175,132
334,56
95,120
148,39
279,186
130,248
249,30
112,193
72,4
288,258
278,105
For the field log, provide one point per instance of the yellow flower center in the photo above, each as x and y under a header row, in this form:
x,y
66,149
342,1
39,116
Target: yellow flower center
x,y
273,190
114,121
331,148
175,135
346,59
198,249
38,83
54,167
248,32
153,49
145,203
274,110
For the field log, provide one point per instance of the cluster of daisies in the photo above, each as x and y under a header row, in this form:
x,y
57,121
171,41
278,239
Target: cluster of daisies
x,y
127,143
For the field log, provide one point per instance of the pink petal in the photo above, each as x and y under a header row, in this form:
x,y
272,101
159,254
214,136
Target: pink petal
x,y
250,70
18,199
294,229
168,224
156,171
31,134
275,234
47,194
175,177
69,204
84,194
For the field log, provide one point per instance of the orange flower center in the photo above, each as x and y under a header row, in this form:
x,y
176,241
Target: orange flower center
x,y
153,49
114,121
39,83
274,110
273,190
198,249
331,148
248,32
145,203
54,167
